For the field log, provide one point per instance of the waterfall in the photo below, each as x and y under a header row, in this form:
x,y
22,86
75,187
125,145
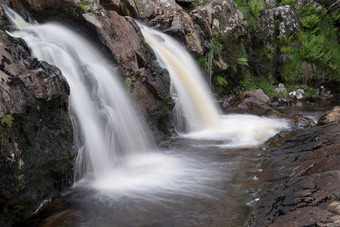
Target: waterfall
x,y
193,94
196,103
107,125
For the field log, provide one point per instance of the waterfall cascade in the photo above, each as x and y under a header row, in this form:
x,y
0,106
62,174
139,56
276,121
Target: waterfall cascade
x,y
104,117
116,155
196,103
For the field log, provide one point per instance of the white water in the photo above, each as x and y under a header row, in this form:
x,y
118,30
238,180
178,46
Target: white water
x,y
196,103
115,153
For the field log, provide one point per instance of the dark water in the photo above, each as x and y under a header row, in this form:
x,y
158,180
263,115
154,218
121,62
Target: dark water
x,y
225,203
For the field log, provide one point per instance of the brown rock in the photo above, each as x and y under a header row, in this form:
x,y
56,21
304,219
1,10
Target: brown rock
x,y
302,180
123,38
254,102
301,121
332,116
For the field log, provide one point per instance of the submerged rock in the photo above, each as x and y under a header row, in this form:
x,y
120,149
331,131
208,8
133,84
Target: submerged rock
x,y
36,137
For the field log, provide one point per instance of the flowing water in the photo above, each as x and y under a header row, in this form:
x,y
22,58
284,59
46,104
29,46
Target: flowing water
x,y
196,104
122,178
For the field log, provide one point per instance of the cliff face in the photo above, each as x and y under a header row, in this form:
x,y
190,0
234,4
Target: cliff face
x,y
36,137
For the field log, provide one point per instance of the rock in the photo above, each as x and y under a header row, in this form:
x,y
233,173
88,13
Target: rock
x,y
180,25
302,3
277,22
281,88
254,102
297,94
36,152
302,180
301,121
271,3
151,84
332,116
185,2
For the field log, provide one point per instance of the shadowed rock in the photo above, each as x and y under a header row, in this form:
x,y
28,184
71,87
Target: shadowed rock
x,y
36,137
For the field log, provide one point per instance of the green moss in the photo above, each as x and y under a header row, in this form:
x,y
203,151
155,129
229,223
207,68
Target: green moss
x,y
204,61
7,120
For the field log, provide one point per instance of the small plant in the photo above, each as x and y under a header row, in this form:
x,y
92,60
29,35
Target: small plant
x,y
256,6
309,22
312,47
7,120
288,2
336,16
242,61
204,61
200,3
268,52
128,83
287,49
248,83
220,81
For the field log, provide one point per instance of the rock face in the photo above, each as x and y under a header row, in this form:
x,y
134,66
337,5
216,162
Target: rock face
x,y
121,40
151,84
36,137
302,180
253,102
301,121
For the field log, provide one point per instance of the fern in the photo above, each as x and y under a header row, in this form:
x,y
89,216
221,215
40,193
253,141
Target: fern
x,y
312,47
256,6
220,81
242,61
288,2
287,50
310,21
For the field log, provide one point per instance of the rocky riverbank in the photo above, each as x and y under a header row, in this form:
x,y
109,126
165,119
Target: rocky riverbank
x,y
302,177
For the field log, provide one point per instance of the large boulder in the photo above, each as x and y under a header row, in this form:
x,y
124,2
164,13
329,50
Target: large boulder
x,y
332,116
36,137
301,180
253,102
150,83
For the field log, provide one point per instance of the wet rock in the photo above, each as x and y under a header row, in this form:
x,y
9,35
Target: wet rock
x,y
332,116
150,83
254,102
302,121
302,180
36,147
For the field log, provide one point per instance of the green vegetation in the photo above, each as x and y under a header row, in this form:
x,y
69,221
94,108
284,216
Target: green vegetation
x,y
128,83
310,22
85,7
268,52
243,61
200,3
256,6
287,2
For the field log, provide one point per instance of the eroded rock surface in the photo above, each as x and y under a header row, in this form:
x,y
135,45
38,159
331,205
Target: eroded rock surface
x,y
302,180
36,137
332,116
